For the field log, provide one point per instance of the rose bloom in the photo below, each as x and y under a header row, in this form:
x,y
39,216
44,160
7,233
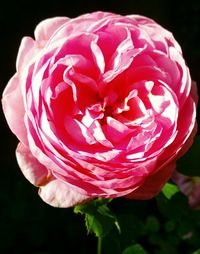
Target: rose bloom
x,y
102,105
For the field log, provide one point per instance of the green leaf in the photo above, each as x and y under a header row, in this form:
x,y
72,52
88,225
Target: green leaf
x,y
189,163
152,224
162,204
134,249
173,208
196,252
99,219
169,190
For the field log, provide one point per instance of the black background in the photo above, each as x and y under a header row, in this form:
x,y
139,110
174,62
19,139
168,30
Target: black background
x,y
27,225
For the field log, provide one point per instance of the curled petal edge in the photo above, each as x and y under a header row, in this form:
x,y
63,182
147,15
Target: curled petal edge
x,y
58,194
47,27
12,102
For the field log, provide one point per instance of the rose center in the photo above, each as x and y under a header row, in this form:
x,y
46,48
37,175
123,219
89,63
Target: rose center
x,y
108,111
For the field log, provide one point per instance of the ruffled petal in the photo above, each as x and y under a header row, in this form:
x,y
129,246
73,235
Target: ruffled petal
x,y
47,27
59,194
32,169
26,54
13,108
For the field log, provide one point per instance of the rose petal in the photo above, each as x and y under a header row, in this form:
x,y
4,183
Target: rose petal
x,y
194,92
115,130
32,169
122,58
153,184
47,27
13,108
59,194
96,130
78,131
26,54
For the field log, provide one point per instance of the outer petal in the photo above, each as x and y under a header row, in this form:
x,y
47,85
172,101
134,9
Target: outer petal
x,y
153,184
27,51
194,92
52,191
32,169
47,27
13,108
29,48
59,194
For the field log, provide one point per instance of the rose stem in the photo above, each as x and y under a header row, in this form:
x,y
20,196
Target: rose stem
x,y
99,245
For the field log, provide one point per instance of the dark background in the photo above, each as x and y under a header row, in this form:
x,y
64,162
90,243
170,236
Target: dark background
x,y
27,225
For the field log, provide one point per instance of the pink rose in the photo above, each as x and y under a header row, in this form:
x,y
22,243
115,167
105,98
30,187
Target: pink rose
x,y
102,107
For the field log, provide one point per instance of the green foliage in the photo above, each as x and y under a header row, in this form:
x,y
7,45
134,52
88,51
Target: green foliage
x,y
152,224
168,225
163,225
189,163
99,219
196,252
134,249
169,190
173,208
